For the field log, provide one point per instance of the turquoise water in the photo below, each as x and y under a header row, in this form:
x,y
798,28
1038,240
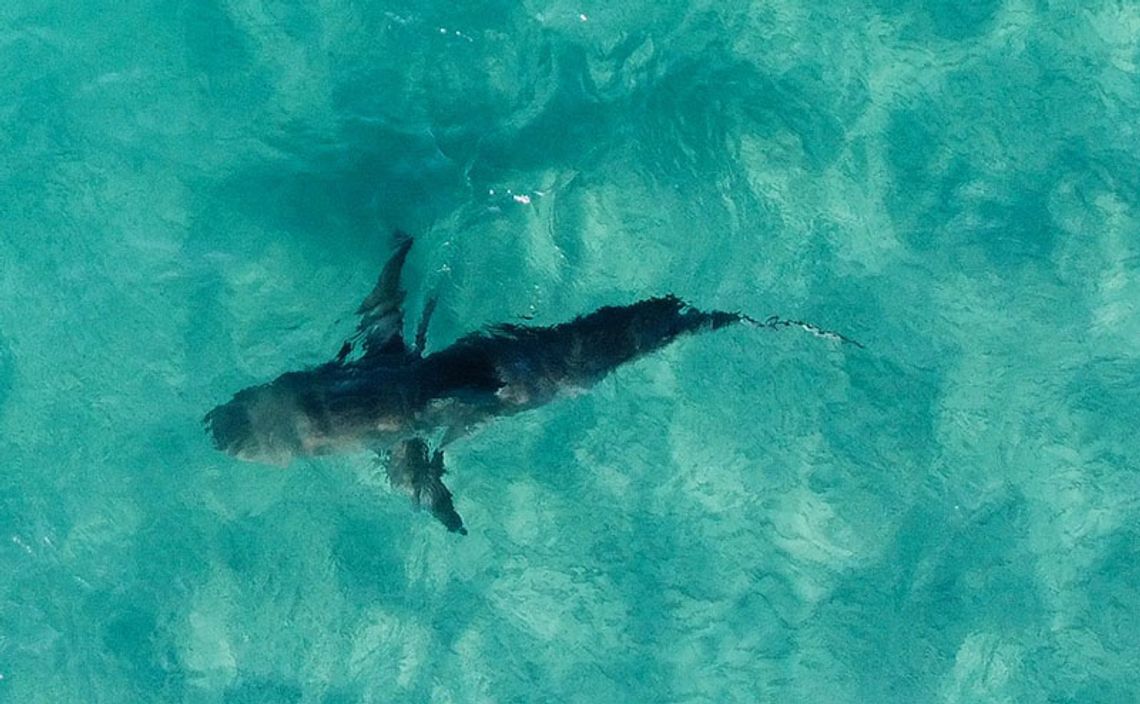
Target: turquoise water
x,y
194,196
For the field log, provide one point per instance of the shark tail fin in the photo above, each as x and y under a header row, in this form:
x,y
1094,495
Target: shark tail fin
x,y
776,322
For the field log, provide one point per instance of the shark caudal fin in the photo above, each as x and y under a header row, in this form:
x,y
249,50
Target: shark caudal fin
x,y
775,322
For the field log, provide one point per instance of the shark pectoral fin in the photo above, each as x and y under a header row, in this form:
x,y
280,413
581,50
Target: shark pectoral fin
x,y
381,314
434,494
410,469
421,329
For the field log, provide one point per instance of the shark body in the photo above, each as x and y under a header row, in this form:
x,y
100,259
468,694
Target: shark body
x,y
392,397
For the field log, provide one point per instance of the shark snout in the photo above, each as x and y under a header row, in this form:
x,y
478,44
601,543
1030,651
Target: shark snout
x,y
254,426
229,426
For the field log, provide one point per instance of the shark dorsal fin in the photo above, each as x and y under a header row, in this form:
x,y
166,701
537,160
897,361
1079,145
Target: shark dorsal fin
x,y
380,331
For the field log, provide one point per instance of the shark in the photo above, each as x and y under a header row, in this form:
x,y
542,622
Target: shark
x,y
386,394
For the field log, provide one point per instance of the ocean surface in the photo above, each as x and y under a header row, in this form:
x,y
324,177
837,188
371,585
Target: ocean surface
x,y
195,196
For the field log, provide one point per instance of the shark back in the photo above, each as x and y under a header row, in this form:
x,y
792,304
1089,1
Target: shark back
x,y
523,366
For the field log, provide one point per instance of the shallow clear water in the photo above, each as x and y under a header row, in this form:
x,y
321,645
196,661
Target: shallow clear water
x,y
194,196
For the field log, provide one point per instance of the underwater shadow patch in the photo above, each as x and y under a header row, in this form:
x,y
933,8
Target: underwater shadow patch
x,y
7,372
946,577
253,690
946,198
364,176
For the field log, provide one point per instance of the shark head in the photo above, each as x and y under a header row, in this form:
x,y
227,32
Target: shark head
x,y
265,423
